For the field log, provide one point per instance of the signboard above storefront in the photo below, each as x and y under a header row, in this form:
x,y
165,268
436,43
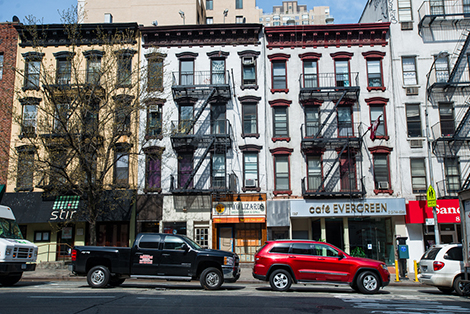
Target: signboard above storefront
x,y
448,211
348,208
239,209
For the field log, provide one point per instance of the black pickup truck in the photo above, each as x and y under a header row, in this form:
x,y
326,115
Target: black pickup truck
x,y
155,256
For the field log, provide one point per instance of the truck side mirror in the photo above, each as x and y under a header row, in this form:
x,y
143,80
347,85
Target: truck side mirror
x,y
185,247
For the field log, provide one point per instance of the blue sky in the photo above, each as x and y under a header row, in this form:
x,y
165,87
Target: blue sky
x,y
344,11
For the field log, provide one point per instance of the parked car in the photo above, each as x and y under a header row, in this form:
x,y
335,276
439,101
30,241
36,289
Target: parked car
x,y
284,262
442,266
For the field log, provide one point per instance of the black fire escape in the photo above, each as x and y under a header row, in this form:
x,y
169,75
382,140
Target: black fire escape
x,y
331,136
201,135
451,138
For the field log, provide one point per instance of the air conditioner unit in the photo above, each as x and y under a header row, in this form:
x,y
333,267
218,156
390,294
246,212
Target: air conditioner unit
x,y
250,183
248,60
383,185
412,91
416,143
406,26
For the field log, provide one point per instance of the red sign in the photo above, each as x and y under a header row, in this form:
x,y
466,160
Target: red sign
x,y
448,211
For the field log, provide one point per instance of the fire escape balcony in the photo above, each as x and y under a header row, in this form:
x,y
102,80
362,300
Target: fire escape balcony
x,y
191,135
329,87
334,187
330,135
442,12
200,83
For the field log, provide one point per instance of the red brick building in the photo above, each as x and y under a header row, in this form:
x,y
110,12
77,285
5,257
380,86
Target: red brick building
x,y
8,48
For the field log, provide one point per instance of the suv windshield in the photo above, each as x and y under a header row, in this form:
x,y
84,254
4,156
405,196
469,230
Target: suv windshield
x,y
9,229
431,254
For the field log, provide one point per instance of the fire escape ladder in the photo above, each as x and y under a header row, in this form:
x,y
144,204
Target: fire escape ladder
x,y
331,168
466,184
461,53
201,110
330,114
464,125
201,160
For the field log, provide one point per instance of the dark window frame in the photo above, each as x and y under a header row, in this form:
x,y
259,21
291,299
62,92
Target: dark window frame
x,y
279,58
281,152
411,121
382,151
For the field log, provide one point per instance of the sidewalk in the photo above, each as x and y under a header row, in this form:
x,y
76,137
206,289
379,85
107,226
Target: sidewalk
x,y
59,271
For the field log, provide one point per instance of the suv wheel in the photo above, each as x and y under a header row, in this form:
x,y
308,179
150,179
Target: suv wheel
x,y
280,280
211,278
368,282
458,286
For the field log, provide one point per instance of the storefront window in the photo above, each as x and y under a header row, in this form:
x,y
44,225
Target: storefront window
x,y
248,241
174,227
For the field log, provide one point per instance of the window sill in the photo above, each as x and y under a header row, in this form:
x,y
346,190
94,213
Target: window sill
x,y
250,135
27,135
153,137
288,192
26,88
153,190
245,189
123,85
386,137
24,189
277,139
383,191
254,86
285,90
371,88
121,185
154,89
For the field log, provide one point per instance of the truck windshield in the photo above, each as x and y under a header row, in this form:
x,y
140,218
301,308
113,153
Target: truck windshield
x,y
193,244
9,229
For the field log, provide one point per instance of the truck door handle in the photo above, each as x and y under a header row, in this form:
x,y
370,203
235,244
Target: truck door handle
x,y
166,255
138,253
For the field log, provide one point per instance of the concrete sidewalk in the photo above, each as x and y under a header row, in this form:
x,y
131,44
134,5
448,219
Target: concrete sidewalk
x,y
54,271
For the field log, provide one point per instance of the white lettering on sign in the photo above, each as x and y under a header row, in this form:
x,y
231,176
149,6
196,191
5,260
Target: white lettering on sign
x,y
449,211
62,214
146,259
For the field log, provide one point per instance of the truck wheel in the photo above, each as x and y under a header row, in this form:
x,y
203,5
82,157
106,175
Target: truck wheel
x,y
458,286
98,277
8,281
211,278
116,281
368,282
280,280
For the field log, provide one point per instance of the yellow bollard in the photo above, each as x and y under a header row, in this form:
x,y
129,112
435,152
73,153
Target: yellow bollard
x,y
416,270
397,275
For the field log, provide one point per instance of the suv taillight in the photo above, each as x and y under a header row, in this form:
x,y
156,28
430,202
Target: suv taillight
x,y
438,265
74,255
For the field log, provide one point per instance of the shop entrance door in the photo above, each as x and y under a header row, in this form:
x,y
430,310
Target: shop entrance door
x,y
226,239
65,243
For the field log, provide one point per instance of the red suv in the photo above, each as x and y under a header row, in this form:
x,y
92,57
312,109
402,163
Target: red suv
x,y
282,262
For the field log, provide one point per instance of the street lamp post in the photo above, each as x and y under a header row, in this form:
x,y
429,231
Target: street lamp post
x,y
181,13
442,54
225,14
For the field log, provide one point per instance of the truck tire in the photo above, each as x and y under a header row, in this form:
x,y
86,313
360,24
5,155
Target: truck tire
x,y
116,281
280,280
458,286
368,282
211,278
98,277
8,281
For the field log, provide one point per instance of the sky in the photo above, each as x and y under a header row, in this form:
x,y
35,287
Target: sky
x,y
47,11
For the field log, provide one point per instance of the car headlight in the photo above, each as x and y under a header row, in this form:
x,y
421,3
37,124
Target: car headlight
x,y
229,260
8,251
384,267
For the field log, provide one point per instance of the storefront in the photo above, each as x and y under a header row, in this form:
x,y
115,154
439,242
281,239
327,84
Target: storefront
x,y
448,219
364,228
239,224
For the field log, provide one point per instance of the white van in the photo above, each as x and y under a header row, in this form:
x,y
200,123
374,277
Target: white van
x,y
16,254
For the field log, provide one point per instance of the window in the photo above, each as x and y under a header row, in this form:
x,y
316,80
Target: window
x,y
173,243
209,20
90,117
374,73
250,169
381,174
452,172
29,119
218,170
239,19
1,65
122,116
250,118
280,248
149,241
121,168
248,71
124,67
466,6
312,121
187,72
154,120
377,111
348,172
218,71
276,24
314,168
25,171
279,75
64,71
218,121
413,120
418,175
155,74
201,236
185,168
32,70
281,125
345,127
153,172
42,236
61,117
404,11
442,69
409,71
93,71
342,73
238,4
186,118
446,117
437,7
209,4
58,165
281,173
310,73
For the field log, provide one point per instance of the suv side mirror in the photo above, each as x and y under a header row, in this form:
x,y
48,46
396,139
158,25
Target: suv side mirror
x,y
340,255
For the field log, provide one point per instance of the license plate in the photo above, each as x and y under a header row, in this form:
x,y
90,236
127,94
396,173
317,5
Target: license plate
x,y
24,266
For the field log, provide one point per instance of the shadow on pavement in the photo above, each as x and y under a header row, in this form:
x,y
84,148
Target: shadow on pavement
x,y
320,289
166,287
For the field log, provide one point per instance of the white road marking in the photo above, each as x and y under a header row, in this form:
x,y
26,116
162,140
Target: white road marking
x,y
71,297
